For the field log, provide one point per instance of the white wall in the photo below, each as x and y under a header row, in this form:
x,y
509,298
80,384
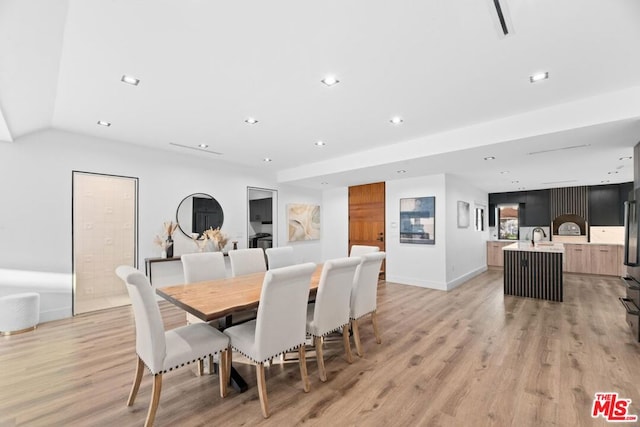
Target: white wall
x,y
412,264
335,223
305,251
35,189
466,247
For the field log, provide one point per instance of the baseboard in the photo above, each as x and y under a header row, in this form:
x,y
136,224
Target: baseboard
x,y
465,277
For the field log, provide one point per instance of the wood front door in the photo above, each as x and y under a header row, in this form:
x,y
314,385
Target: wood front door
x,y
366,216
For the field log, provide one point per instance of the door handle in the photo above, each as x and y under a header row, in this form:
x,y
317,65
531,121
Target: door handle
x,y
380,237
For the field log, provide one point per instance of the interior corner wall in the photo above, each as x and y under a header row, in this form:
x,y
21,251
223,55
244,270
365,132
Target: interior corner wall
x,y
416,264
36,190
304,251
466,252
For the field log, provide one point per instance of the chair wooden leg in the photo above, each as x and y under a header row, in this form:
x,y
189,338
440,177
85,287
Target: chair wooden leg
x,y
302,358
155,399
262,390
347,344
136,382
322,373
356,336
222,372
200,367
228,361
374,320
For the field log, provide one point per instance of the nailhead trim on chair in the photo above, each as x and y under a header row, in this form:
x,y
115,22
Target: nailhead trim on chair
x,y
356,318
332,331
270,357
205,357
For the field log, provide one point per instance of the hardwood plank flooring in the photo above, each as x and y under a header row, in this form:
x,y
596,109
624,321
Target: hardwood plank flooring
x,y
470,356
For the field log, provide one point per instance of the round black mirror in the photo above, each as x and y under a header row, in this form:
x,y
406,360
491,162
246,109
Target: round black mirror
x,y
199,212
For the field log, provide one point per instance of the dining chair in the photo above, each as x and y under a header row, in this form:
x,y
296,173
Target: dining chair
x,y
280,324
359,250
199,267
330,312
163,351
280,257
247,261
364,295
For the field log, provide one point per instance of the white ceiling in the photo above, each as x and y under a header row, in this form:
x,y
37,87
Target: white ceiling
x,y
205,66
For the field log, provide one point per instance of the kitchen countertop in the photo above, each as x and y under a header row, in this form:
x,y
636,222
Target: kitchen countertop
x,y
538,247
563,243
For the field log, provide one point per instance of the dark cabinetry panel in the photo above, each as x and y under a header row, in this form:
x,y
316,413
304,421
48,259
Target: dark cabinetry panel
x,y
537,211
606,204
260,210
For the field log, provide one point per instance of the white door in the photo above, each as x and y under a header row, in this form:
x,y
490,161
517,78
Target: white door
x,y
104,237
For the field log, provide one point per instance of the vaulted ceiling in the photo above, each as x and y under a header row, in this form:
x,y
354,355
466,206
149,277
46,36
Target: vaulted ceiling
x,y
461,87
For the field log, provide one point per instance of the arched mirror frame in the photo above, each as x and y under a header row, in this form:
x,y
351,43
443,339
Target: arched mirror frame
x,y
189,214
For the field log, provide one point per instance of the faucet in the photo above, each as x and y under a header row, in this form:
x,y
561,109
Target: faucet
x,y
533,232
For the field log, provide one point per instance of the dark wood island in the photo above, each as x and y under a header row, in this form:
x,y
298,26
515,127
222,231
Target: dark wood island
x,y
533,271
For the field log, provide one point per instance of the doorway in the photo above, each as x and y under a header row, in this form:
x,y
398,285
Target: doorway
x,y
105,235
367,216
262,218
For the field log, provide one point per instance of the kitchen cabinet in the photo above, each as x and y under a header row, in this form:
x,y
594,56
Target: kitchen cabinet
x,y
261,210
605,205
537,209
495,257
594,259
604,260
577,258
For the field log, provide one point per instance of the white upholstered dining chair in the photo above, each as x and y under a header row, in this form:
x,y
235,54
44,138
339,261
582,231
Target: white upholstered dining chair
x,y
330,311
163,351
201,266
359,250
364,294
247,261
280,257
280,324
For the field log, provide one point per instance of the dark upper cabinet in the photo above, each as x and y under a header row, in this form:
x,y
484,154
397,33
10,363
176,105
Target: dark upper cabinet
x,y
261,210
537,211
492,215
606,204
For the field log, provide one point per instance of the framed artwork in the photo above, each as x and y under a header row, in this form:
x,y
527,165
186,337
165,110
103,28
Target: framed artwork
x,y
304,222
463,215
417,220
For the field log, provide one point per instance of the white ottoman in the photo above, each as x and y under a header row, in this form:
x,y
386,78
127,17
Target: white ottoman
x,y
19,313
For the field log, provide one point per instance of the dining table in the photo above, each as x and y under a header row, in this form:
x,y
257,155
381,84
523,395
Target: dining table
x,y
221,298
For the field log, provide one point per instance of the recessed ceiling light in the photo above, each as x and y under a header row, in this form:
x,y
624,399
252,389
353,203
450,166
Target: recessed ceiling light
x,y
319,143
625,158
401,171
330,80
103,123
203,146
324,183
490,158
504,172
396,120
539,77
604,181
521,188
267,159
251,121
130,80
515,182
612,173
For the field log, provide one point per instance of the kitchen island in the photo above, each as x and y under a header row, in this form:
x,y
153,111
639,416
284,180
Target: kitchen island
x,y
533,271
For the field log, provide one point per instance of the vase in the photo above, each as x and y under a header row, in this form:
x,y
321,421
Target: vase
x,y
169,247
163,254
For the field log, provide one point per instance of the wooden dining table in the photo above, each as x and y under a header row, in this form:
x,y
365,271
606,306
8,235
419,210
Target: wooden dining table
x,y
219,299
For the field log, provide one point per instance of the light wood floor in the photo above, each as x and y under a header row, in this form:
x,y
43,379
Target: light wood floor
x,y
467,357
